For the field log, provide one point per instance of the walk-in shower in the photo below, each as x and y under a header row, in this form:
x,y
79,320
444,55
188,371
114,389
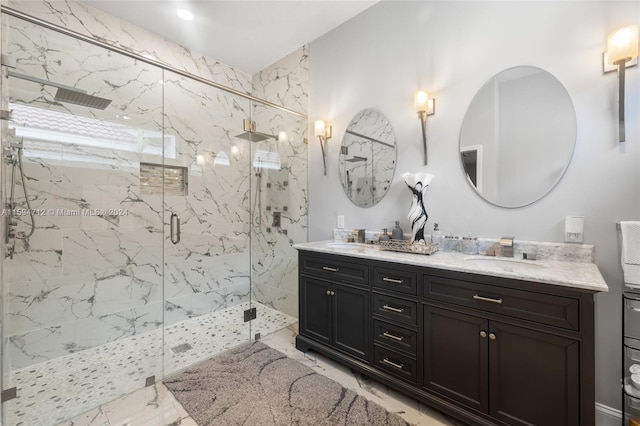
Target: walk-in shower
x,y
97,299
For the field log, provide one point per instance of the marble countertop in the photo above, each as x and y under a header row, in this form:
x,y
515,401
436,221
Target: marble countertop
x,y
578,275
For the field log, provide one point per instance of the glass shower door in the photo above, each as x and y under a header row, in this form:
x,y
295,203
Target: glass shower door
x,y
207,225
82,252
279,215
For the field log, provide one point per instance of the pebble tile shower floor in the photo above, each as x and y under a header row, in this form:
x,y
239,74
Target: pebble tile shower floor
x,y
59,389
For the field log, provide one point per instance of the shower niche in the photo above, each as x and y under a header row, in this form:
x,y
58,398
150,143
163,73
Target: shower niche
x,y
117,152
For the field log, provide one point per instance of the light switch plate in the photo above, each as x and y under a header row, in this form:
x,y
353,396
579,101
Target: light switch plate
x,y
340,222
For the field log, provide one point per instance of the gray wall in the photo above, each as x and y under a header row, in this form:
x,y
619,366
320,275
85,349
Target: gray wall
x,y
382,56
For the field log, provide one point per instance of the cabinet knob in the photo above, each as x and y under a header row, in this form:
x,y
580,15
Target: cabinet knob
x,y
483,334
492,336
333,292
328,292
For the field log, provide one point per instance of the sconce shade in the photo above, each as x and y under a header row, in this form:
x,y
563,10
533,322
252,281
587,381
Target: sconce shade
x,y
421,101
622,45
283,137
319,128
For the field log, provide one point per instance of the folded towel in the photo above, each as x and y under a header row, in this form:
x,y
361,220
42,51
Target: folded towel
x,y
631,251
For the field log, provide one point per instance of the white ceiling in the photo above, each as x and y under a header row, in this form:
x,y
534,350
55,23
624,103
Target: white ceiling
x,y
248,35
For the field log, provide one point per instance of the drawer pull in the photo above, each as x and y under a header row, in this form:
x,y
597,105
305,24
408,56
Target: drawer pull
x,y
391,336
393,364
392,309
392,280
330,269
487,299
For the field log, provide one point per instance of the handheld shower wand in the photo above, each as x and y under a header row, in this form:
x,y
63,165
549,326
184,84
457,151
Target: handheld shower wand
x,y
13,156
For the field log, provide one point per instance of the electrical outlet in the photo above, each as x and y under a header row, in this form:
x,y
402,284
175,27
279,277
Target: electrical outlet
x,y
340,222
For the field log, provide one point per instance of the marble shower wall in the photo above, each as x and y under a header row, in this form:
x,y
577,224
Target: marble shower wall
x,y
86,20
210,268
283,191
92,271
286,82
83,280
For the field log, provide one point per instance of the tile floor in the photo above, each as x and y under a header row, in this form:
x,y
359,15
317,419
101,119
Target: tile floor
x,y
156,406
54,391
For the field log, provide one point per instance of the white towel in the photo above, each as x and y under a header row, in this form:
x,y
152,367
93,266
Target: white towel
x,y
631,251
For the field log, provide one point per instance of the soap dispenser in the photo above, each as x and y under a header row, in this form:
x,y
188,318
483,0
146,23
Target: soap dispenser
x,y
396,233
436,236
384,236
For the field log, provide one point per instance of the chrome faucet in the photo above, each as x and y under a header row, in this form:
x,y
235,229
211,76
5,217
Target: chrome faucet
x,y
506,246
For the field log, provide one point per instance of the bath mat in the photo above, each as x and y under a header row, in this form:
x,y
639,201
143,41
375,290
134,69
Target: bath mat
x,y
254,384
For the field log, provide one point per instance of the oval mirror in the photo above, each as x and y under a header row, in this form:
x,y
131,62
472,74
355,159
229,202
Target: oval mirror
x,y
518,136
367,158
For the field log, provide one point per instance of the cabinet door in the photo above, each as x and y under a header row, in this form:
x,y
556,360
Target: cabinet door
x,y
351,320
534,377
315,309
455,356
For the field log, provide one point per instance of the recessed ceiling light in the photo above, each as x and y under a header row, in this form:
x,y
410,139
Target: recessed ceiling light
x,y
185,14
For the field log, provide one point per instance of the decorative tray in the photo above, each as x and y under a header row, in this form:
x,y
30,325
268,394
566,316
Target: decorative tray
x,y
404,246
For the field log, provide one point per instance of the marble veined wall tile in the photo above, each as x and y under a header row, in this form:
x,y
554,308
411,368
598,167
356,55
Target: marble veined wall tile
x,y
286,82
283,190
38,258
203,274
40,304
194,305
94,23
52,342
34,347
33,305
110,250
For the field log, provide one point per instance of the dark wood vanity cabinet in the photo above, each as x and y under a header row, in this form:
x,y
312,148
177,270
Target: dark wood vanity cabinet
x,y
336,308
515,374
487,350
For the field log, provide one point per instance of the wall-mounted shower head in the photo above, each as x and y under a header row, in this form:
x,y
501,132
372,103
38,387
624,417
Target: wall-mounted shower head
x,y
68,94
254,136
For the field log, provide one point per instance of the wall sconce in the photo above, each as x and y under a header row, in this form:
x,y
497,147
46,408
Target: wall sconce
x,y
424,106
622,49
323,132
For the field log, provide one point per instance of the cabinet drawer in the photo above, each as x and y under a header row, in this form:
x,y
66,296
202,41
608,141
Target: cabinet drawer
x,y
395,337
396,280
395,309
548,309
396,364
335,269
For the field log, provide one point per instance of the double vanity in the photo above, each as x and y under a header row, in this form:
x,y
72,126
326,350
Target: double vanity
x,y
487,340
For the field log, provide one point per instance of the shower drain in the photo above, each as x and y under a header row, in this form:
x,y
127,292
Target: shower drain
x,y
181,348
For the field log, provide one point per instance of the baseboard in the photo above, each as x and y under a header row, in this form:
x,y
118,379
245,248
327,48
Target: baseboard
x,y
607,416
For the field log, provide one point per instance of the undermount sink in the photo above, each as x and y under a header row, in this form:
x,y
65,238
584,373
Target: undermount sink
x,y
508,264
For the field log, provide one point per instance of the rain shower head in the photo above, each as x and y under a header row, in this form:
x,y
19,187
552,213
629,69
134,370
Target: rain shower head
x,y
68,94
78,98
254,136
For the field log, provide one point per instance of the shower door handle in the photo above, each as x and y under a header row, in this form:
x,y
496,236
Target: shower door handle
x,y
175,228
